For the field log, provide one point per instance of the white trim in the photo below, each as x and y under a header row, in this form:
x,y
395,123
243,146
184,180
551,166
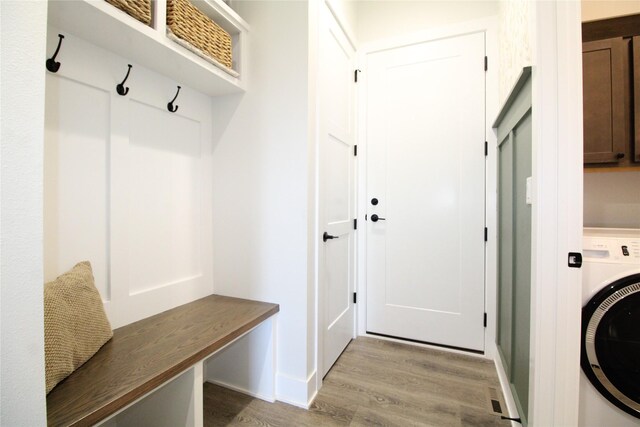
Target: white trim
x,y
505,386
313,205
290,390
459,29
242,390
490,27
492,107
343,24
361,195
557,214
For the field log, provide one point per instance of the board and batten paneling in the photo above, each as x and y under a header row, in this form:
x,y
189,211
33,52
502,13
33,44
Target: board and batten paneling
x,y
514,130
127,183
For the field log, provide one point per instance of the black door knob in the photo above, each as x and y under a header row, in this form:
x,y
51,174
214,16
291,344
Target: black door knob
x,y
620,156
326,236
376,218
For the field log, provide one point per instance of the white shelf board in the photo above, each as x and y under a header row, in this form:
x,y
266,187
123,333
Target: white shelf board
x,y
100,23
222,15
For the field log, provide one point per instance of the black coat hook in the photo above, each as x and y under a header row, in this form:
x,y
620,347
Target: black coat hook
x,y
170,106
120,87
52,65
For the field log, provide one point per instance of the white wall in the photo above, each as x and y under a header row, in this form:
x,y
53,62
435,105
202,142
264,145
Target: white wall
x,y
260,178
22,40
382,19
515,44
598,9
612,199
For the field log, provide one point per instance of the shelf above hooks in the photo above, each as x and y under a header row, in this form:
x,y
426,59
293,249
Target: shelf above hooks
x,y
100,23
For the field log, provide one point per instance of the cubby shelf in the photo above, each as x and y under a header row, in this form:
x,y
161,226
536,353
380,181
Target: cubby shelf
x,y
104,25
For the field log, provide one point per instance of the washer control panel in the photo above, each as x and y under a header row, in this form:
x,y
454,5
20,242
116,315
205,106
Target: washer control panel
x,y
610,245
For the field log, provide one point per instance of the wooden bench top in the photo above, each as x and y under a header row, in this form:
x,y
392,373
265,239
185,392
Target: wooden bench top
x,y
145,354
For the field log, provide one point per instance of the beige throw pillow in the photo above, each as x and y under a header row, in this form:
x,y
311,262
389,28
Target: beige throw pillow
x,y
75,324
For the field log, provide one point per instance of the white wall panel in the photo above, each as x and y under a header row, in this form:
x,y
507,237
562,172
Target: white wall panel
x,y
128,184
76,179
164,199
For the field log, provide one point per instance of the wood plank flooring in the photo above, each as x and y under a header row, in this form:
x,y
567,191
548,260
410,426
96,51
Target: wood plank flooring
x,y
376,383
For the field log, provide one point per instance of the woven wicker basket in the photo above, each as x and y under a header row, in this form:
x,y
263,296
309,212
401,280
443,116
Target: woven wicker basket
x,y
188,23
139,9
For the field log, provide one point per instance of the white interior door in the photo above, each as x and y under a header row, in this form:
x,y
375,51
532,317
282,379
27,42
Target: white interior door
x,y
337,191
426,168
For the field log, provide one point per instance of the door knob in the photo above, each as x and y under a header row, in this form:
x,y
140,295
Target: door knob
x,y
326,236
376,218
620,156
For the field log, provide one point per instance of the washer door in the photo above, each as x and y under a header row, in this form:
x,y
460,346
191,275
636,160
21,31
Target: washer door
x,y
611,343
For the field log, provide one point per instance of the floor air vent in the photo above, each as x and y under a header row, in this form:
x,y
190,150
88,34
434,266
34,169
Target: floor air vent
x,y
495,403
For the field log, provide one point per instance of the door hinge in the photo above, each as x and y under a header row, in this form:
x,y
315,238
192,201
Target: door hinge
x,y
355,75
486,234
486,63
485,320
486,148
355,223
355,298
355,150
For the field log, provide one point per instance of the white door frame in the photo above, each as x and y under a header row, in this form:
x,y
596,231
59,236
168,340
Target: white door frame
x,y
557,213
490,27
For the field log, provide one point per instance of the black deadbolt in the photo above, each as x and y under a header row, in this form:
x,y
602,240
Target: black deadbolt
x,y
374,201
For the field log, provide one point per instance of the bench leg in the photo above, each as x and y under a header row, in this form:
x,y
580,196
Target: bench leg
x,y
198,398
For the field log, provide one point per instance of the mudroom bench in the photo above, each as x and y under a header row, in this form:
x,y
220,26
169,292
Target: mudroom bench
x,y
152,371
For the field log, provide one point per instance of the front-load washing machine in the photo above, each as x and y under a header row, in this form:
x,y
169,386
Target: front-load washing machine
x,y
610,353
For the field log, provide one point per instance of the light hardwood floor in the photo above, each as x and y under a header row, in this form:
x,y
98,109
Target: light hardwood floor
x,y
376,383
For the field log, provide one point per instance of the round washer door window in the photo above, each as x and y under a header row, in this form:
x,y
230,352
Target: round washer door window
x,y
611,343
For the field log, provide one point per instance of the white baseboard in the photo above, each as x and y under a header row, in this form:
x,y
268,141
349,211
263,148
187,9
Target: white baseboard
x,y
242,390
295,391
512,409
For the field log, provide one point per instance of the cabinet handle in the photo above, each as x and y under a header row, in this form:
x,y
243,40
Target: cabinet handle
x,y
620,156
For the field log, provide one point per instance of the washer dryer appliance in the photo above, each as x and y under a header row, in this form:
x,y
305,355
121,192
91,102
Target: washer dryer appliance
x,y
610,353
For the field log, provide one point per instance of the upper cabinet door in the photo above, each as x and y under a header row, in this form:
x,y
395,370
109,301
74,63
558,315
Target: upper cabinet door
x,y
606,108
